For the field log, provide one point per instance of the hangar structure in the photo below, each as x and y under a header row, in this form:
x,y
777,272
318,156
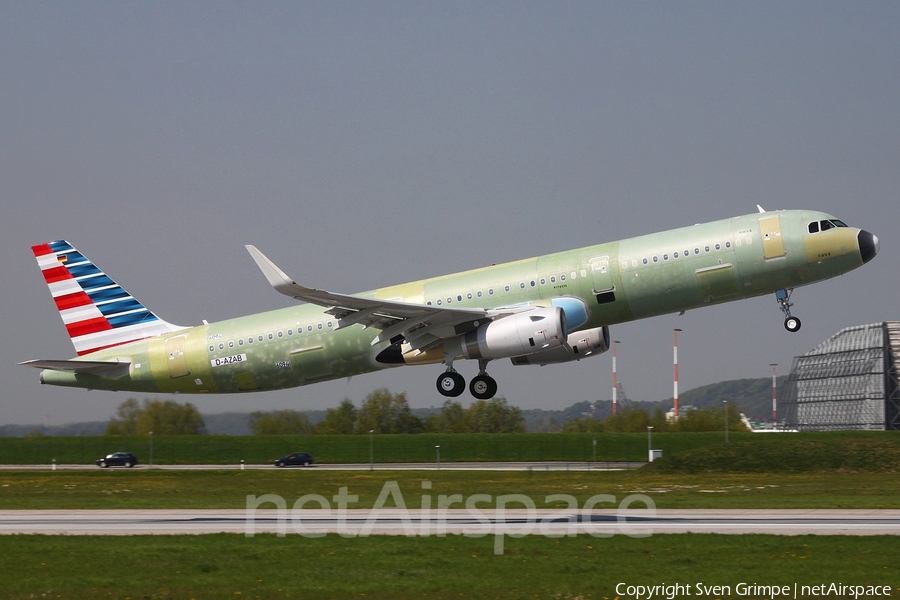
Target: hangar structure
x,y
849,381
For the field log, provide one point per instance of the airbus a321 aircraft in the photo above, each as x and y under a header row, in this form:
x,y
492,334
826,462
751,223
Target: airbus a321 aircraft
x,y
549,309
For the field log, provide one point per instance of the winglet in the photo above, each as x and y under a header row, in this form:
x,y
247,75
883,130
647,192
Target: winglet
x,y
278,279
761,209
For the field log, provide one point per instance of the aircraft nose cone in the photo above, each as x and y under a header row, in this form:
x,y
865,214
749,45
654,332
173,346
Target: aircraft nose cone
x,y
868,245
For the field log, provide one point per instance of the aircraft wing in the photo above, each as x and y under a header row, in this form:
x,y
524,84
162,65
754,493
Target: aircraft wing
x,y
112,369
422,326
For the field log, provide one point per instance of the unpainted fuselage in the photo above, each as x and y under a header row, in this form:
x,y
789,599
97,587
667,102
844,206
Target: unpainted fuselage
x,y
646,276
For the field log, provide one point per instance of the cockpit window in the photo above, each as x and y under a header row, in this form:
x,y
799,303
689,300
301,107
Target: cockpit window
x,y
825,225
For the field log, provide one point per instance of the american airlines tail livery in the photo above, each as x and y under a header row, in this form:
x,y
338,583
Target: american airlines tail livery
x,y
549,309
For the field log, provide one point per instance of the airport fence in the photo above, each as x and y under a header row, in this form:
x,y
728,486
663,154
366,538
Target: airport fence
x,y
341,449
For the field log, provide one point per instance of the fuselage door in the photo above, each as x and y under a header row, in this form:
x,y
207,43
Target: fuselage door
x,y
175,354
604,290
770,232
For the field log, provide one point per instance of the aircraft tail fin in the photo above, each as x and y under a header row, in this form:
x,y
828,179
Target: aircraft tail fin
x,y
97,312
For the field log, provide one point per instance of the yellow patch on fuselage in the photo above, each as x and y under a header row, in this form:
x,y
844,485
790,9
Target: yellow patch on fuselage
x,y
828,244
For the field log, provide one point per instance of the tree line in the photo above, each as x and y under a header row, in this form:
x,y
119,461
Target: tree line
x,y
380,412
384,412
161,417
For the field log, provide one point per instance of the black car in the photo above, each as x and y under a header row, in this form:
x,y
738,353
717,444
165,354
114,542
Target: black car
x,y
296,459
117,459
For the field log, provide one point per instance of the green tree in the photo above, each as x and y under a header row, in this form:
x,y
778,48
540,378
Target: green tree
x,y
583,425
339,420
279,422
383,412
494,416
126,419
710,419
629,420
659,421
452,418
162,417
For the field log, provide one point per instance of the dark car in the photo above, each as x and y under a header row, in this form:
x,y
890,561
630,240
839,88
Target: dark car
x,y
117,459
296,459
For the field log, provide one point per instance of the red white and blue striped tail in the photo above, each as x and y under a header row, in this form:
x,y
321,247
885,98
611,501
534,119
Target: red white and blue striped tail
x,y
96,311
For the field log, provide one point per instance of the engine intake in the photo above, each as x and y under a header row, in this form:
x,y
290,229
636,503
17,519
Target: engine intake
x,y
537,330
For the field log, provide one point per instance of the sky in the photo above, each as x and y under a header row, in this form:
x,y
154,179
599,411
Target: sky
x,y
363,144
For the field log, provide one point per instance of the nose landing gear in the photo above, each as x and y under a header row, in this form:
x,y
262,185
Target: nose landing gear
x,y
783,296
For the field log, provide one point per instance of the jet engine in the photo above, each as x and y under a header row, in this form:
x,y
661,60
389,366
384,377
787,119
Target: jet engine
x,y
537,330
580,344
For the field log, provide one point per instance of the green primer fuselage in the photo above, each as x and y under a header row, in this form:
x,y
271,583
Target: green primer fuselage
x,y
641,277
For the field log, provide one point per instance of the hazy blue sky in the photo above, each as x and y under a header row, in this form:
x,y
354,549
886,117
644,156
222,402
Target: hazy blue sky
x,y
361,144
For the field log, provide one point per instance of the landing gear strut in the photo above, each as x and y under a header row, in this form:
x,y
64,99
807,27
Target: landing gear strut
x,y
452,384
791,323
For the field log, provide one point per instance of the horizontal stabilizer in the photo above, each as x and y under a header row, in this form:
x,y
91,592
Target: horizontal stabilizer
x,y
113,369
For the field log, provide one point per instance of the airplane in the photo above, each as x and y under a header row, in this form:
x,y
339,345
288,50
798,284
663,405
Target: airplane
x,y
544,310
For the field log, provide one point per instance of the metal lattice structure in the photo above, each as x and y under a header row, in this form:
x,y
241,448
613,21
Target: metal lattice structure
x,y
850,381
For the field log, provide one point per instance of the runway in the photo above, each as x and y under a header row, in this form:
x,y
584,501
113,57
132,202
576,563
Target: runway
x,y
483,521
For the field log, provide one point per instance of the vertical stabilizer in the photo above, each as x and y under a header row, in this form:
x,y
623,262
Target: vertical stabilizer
x,y
96,311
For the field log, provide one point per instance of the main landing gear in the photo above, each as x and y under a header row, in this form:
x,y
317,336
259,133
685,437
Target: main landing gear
x,y
452,384
791,323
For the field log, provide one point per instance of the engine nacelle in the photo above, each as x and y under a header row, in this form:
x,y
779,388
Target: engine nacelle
x,y
580,344
537,330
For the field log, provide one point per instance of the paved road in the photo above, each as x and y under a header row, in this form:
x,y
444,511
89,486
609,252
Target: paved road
x,y
431,466
484,521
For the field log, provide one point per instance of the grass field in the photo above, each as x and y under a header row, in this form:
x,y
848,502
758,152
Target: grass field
x,y
233,566
849,470
228,489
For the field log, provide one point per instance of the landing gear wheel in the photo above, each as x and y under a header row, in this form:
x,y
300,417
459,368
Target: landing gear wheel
x,y
483,387
792,324
451,384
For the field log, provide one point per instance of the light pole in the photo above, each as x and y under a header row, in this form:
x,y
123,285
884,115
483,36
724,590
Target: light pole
x,y
438,450
649,443
725,404
151,449
615,390
675,373
371,450
774,394
594,459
